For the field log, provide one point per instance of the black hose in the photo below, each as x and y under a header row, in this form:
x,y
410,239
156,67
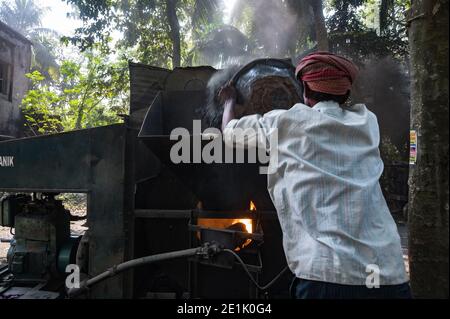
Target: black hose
x,y
265,287
131,264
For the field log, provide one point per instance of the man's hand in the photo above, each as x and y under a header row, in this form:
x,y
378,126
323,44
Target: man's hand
x,y
227,97
227,93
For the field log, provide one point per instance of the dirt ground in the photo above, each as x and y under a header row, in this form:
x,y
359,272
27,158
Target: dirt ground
x,y
4,234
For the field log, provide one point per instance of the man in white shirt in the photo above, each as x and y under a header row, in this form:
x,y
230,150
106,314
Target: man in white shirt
x,y
339,237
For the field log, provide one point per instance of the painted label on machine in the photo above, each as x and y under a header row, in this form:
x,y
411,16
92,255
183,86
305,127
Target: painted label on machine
x,y
6,161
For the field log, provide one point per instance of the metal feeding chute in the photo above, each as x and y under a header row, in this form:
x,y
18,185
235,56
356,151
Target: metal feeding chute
x,y
220,185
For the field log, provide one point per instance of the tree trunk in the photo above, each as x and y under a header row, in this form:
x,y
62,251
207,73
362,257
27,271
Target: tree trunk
x,y
79,118
171,10
319,22
428,202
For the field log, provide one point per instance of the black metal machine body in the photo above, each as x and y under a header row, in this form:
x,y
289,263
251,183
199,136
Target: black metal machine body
x,y
140,203
88,161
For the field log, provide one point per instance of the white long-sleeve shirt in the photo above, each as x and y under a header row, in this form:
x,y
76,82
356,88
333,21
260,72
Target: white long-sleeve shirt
x,y
335,221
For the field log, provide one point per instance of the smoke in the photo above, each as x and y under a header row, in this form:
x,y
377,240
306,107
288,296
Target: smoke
x,y
274,28
260,29
213,111
383,85
273,32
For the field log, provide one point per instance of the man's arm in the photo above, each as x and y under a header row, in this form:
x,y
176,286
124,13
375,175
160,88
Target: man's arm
x,y
227,96
228,113
236,132
251,130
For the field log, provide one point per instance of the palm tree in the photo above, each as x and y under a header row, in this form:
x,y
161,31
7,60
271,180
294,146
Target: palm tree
x,y
26,17
21,15
216,44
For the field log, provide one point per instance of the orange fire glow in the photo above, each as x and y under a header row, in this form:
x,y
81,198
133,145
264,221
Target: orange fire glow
x,y
247,222
224,223
221,223
248,225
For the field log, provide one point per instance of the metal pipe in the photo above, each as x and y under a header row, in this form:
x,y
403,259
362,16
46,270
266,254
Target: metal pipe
x,y
204,250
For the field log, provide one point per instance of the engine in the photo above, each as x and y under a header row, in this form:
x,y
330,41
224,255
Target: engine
x,y
42,246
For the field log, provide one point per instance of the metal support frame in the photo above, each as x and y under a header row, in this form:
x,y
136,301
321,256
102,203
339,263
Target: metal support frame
x,y
98,162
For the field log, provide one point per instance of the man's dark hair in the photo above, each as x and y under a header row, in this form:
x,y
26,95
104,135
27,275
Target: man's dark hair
x,y
319,96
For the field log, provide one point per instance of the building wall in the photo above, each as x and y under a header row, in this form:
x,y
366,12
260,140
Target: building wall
x,y
15,53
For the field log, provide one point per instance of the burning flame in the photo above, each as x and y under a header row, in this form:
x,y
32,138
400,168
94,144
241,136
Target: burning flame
x,y
248,225
225,223
247,222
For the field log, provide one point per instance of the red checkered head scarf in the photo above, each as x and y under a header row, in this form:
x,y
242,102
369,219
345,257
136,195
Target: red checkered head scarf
x,y
327,73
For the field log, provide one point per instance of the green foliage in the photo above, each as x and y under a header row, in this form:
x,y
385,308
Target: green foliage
x,y
353,28
202,18
393,25
206,16
88,93
345,17
45,46
37,108
91,91
143,28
